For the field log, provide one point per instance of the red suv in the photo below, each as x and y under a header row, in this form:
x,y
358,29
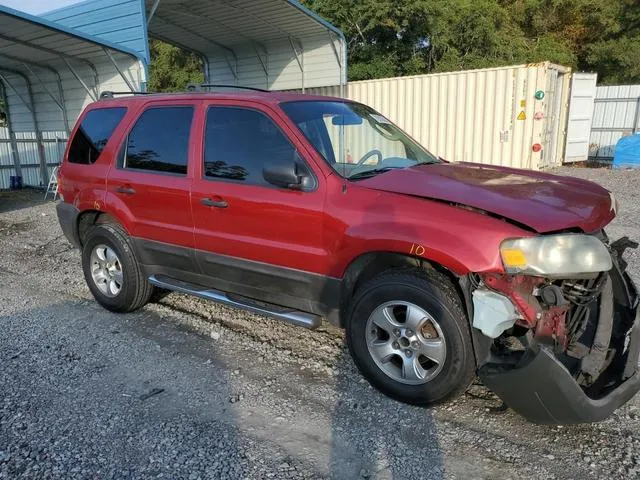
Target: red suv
x,y
308,208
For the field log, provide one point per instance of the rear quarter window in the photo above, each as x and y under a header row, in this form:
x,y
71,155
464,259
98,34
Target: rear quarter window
x,y
93,134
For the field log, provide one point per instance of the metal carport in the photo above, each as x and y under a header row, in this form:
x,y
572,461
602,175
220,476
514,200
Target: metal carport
x,y
272,44
48,74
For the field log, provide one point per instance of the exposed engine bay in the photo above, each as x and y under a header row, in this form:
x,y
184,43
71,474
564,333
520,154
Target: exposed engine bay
x,y
581,324
563,314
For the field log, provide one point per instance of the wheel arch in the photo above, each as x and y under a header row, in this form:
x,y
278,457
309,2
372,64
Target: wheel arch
x,y
368,265
89,218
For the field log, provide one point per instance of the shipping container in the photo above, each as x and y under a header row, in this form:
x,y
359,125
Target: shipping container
x,y
496,116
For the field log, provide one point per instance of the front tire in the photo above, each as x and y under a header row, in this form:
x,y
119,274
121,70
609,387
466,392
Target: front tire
x,y
111,270
409,337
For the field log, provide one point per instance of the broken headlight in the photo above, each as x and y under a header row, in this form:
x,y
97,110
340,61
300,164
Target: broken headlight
x,y
562,255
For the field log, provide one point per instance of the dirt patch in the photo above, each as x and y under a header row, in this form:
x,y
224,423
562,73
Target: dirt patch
x,y
12,228
18,199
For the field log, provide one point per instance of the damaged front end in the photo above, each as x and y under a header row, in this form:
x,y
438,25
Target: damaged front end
x,y
559,350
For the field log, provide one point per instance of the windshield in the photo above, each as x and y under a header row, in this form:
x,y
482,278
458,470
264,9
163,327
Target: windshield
x,y
354,139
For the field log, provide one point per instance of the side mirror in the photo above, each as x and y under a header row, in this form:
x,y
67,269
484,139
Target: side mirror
x,y
293,175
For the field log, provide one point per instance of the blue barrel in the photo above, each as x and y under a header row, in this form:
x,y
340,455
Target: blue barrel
x,y
15,182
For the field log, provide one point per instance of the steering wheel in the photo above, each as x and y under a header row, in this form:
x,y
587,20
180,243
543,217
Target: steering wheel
x,y
370,153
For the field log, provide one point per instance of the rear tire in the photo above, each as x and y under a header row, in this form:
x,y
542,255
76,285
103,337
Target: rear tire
x,y
112,271
409,336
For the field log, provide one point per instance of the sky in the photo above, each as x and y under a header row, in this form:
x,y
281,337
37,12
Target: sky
x,y
37,6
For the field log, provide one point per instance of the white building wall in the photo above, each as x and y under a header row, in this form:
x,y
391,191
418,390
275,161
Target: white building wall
x,y
284,73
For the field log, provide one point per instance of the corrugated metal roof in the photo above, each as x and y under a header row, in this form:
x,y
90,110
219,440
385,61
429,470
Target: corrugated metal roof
x,y
121,22
47,36
236,23
48,67
48,74
277,44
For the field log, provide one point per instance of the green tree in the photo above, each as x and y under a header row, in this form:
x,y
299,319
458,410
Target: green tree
x,y
616,58
388,38
601,35
385,38
172,68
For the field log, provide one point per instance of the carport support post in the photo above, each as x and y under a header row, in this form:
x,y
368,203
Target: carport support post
x,y
44,171
79,79
152,12
264,63
299,59
234,70
31,106
132,88
12,136
65,115
59,102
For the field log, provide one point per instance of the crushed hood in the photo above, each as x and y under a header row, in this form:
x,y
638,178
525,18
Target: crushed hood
x,y
540,201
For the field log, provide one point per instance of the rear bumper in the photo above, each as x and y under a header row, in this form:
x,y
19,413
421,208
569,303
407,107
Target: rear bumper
x,y
68,219
540,388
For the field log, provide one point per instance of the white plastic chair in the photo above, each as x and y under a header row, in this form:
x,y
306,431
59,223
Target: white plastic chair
x,y
53,184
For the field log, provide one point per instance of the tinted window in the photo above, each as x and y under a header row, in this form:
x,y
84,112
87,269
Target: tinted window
x,y
94,133
159,140
239,142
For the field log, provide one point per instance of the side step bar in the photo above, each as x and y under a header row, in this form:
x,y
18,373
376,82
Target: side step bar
x,y
295,317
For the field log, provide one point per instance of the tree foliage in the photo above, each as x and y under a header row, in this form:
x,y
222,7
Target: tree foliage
x,y
389,38
172,68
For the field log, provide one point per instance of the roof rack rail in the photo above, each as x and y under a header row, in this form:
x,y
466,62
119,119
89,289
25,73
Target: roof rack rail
x,y
110,94
197,87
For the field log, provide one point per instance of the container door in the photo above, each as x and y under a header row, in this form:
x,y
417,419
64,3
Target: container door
x,y
552,115
583,93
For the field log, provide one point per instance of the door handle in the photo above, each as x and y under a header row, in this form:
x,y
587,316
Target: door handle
x,y
126,190
214,203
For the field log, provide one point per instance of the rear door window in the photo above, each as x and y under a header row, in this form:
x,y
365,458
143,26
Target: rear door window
x,y
159,141
94,133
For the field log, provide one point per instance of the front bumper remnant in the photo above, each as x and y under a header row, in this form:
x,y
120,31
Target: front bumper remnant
x,y
541,389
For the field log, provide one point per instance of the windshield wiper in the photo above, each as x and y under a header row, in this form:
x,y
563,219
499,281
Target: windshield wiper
x,y
370,173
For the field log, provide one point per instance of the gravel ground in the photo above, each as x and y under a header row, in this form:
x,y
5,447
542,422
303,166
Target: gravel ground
x,y
189,389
